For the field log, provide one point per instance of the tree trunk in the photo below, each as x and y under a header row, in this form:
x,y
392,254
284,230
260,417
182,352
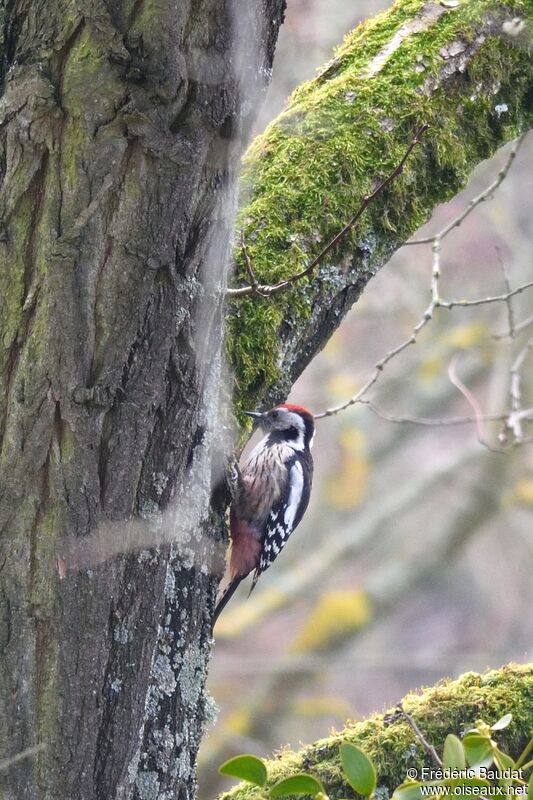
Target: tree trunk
x,y
122,125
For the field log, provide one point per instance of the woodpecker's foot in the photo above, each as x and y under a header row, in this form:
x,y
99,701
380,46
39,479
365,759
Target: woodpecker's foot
x,y
233,476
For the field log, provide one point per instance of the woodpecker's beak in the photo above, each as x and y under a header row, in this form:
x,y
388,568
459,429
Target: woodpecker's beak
x,y
255,414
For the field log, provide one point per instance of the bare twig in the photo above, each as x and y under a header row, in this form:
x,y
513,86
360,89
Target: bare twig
x,y
435,303
269,290
508,303
254,283
378,368
482,301
486,194
517,329
469,397
420,736
432,422
515,418
438,302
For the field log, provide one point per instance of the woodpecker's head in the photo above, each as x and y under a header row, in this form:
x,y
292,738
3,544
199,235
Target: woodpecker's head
x,y
288,423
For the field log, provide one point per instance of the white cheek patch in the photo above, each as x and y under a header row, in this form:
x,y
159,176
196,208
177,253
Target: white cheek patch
x,y
296,482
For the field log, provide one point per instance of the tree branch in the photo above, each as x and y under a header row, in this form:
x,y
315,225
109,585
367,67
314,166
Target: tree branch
x,y
339,136
268,291
388,738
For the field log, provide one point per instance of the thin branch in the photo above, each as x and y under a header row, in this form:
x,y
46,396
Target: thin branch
x,y
469,397
515,418
508,303
472,400
379,367
269,290
517,329
254,283
437,302
486,194
420,736
433,422
499,298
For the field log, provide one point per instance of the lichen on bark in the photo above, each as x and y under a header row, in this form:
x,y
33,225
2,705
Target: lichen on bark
x,y
421,62
451,706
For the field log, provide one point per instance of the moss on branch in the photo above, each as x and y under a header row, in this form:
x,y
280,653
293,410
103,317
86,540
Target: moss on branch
x,y
454,68
448,707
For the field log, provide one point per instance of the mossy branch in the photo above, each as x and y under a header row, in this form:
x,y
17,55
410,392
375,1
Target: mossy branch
x,y
389,740
268,291
464,70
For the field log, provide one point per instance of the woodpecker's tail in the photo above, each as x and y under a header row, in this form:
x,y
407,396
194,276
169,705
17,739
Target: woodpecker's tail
x,y
226,596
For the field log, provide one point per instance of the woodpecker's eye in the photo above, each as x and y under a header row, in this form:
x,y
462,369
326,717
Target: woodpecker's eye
x,y
275,415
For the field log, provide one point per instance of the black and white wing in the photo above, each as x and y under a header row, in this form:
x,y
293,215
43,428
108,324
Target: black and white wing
x,y
285,514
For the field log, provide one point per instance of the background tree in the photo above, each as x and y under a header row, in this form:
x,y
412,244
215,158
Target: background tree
x,y
121,130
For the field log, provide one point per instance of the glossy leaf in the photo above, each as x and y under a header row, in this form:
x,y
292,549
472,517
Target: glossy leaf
x,y
358,768
502,723
297,784
410,790
478,750
247,768
453,756
503,762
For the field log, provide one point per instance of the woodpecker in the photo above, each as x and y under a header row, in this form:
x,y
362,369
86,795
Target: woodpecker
x,y
270,493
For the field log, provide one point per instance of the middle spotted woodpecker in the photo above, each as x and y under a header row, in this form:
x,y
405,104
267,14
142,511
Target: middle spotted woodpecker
x,y
270,493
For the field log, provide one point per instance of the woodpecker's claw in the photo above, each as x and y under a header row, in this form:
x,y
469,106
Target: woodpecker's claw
x,y
233,476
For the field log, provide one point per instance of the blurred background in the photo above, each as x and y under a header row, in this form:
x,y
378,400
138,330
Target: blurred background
x,y
415,559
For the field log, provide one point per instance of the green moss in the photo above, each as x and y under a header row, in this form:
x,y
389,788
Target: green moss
x,y
306,175
448,707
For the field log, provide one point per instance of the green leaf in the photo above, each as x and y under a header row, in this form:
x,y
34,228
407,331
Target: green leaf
x,y
502,723
503,762
358,768
530,787
297,784
247,768
410,790
454,755
478,750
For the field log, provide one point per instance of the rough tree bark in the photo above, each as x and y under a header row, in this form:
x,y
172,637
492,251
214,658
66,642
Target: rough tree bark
x,y
121,123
